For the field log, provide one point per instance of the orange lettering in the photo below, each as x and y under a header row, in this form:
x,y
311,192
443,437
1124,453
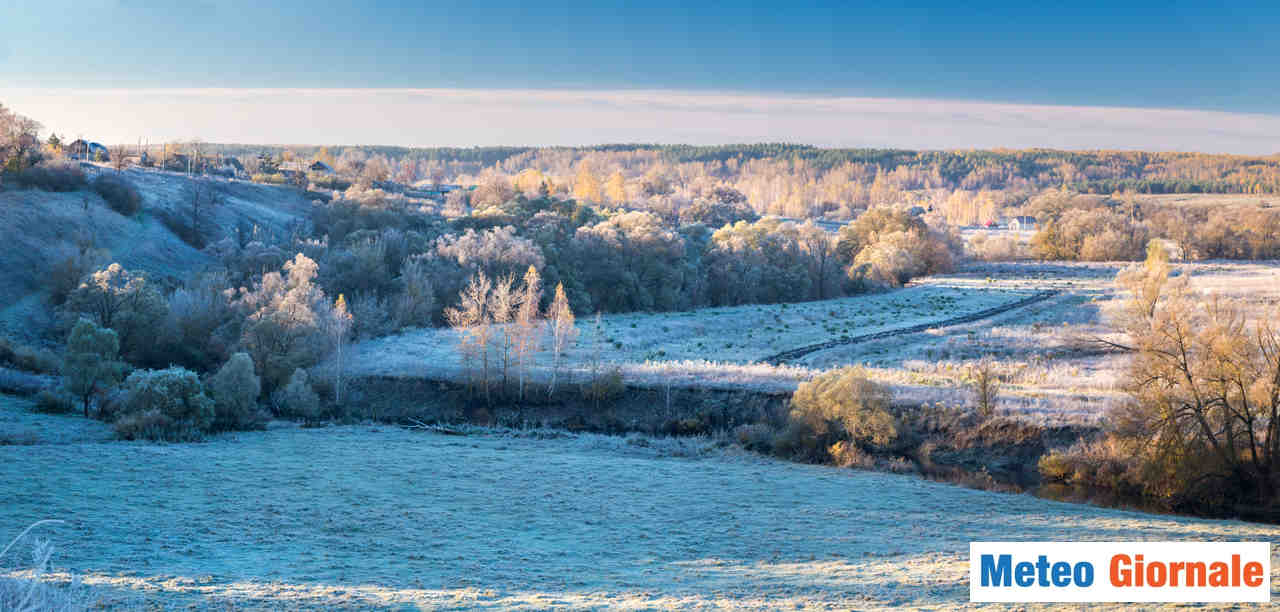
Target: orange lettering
x,y
1253,574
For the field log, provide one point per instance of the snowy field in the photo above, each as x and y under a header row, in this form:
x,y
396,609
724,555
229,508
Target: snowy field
x,y
381,518
1054,369
707,347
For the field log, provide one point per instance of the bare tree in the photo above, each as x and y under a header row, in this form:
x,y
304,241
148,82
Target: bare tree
x,y
820,246
563,332
1205,377
471,320
504,302
339,326
203,198
527,323
119,157
984,379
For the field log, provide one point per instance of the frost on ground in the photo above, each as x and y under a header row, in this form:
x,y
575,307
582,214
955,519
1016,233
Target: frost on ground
x,y
20,426
376,518
710,346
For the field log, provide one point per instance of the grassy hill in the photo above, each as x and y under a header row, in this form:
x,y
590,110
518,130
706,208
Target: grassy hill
x,y
39,229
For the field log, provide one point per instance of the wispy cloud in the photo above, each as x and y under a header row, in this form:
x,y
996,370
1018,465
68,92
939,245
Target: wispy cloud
x,y
469,117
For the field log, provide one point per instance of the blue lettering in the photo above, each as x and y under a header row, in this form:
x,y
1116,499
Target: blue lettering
x,y
1000,571
994,574
1083,574
1024,574
1061,574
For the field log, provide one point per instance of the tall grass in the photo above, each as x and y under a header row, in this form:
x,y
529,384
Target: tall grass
x,y
31,593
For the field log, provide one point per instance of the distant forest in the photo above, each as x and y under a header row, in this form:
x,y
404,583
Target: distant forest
x,y
1083,171
794,180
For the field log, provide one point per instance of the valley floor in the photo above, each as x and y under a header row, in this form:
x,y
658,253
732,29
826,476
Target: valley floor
x,y
370,517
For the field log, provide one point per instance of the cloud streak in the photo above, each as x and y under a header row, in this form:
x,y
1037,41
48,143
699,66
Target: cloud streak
x,y
475,117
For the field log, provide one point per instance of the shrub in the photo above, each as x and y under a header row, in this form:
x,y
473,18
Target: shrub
x,y
848,455
167,404
838,406
20,383
52,176
297,398
756,437
235,390
119,194
22,357
984,380
604,387
64,274
180,225
998,248
270,179
52,402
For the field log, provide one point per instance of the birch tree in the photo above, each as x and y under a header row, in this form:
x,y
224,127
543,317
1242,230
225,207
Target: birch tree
x,y
339,325
470,320
504,302
560,324
527,316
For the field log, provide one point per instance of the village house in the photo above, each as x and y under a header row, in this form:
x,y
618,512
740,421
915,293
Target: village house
x,y
92,151
1022,223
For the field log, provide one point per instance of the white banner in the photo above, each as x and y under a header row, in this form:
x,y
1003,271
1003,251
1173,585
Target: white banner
x,y
1120,571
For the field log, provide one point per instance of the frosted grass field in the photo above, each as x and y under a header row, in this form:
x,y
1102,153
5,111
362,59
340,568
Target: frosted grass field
x,y
719,345
380,518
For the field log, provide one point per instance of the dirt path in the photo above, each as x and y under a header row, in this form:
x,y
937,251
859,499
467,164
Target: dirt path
x,y
797,353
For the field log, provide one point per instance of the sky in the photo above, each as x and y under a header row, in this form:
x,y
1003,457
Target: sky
x,y
1134,75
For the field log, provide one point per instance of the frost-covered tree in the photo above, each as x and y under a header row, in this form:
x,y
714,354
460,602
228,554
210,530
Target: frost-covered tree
x,y
168,404
560,324
235,388
91,363
415,306
527,323
471,321
504,302
338,326
284,318
117,299
297,398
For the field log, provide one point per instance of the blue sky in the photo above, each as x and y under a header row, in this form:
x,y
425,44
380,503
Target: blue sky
x,y
1167,55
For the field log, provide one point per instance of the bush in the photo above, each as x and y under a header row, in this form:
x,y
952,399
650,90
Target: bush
x,y
756,437
20,383
998,248
298,399
119,194
181,227
64,274
984,381
269,179
26,358
52,402
235,390
52,176
604,387
838,406
167,404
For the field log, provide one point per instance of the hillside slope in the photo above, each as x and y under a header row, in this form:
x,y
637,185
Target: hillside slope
x,y
38,229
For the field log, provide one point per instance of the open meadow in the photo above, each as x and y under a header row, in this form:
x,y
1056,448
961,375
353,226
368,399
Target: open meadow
x,y
1047,351
378,517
